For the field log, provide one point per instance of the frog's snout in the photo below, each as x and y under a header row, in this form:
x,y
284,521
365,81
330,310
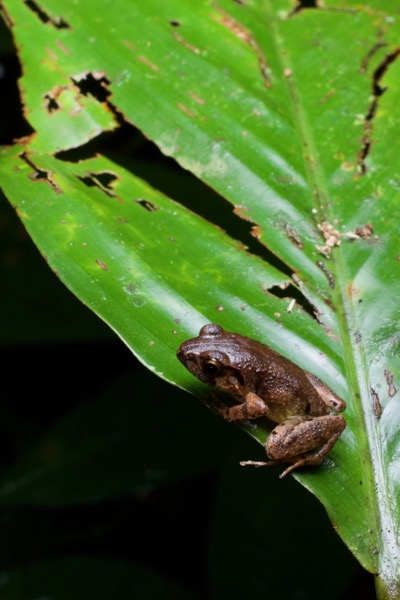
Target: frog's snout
x,y
180,353
184,353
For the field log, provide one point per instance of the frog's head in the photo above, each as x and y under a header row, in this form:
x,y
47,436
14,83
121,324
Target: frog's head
x,y
212,357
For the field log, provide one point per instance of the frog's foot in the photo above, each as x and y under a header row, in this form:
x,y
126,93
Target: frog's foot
x,y
243,413
270,463
257,463
301,462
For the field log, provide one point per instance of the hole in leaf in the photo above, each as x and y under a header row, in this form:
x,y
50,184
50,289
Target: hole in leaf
x,y
40,174
128,148
102,180
150,206
315,4
57,22
377,91
105,178
292,292
119,145
51,104
381,70
93,84
307,4
301,5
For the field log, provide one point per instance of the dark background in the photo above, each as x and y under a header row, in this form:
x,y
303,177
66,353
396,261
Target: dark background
x,y
114,484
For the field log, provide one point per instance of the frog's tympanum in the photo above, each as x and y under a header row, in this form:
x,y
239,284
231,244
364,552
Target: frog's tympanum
x,y
263,383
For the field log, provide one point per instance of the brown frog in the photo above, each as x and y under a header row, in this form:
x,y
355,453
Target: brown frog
x,y
263,383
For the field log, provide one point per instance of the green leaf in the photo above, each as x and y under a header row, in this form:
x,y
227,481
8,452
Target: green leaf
x,y
26,279
292,116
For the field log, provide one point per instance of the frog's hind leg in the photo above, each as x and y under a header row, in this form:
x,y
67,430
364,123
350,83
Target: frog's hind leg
x,y
301,442
316,457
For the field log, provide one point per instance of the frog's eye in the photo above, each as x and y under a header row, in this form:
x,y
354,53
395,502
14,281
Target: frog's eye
x,y
212,367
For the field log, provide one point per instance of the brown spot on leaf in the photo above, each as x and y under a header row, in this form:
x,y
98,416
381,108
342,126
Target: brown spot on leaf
x,y
328,96
244,34
376,404
185,109
130,45
293,236
186,44
101,264
196,98
392,390
256,231
63,48
242,211
352,292
148,63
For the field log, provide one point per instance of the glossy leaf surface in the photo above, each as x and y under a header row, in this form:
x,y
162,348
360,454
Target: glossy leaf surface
x,y
292,116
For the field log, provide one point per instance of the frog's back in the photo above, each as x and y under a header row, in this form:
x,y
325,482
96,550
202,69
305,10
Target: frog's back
x,y
282,384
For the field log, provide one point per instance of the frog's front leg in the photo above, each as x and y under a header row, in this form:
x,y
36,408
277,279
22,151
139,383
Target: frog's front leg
x,y
253,407
301,441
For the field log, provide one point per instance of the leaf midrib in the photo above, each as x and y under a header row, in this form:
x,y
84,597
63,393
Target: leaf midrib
x,y
384,522
385,526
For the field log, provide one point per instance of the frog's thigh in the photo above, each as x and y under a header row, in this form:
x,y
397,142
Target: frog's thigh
x,y
297,436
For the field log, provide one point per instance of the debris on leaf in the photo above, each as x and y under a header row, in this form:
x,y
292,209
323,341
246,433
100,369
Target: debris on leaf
x,y
332,238
291,305
364,232
293,236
